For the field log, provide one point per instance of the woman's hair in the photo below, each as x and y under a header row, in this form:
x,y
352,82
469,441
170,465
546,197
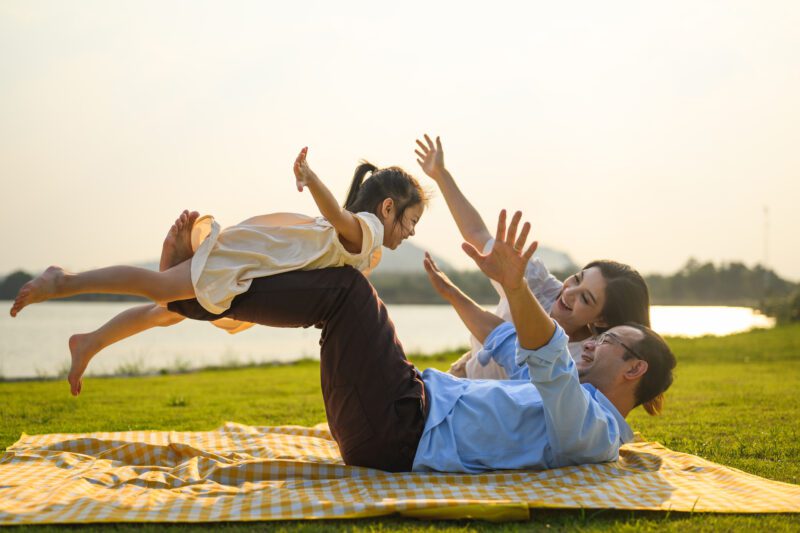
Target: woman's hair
x,y
627,297
660,363
391,182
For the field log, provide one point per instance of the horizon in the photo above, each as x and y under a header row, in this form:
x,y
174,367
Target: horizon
x,y
648,134
446,265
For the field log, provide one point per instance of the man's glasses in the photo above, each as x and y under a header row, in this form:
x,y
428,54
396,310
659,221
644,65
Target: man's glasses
x,y
610,338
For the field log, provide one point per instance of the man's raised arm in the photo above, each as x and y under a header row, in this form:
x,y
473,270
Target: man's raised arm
x,y
578,429
505,263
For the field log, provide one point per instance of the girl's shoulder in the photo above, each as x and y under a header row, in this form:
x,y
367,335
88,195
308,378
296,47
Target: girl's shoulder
x,y
371,223
366,215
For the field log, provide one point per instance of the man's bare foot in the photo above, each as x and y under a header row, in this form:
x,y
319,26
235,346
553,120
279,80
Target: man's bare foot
x,y
82,348
178,242
41,288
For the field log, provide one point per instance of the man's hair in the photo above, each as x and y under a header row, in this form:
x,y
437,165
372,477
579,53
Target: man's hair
x,y
660,363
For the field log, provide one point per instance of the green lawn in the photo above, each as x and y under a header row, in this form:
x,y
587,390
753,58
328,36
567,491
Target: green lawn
x,y
735,401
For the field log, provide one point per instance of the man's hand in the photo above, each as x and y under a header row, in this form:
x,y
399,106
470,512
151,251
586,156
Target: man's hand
x,y
431,157
303,175
506,262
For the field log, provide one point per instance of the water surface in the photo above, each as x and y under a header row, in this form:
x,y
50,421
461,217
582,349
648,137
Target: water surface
x,y
35,343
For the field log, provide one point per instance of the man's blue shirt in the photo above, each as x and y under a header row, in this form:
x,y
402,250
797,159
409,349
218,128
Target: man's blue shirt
x,y
547,422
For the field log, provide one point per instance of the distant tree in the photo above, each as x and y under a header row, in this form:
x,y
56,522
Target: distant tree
x,y
704,283
13,283
785,309
405,288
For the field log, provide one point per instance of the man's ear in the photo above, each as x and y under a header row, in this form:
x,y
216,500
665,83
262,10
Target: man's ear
x,y
636,370
387,209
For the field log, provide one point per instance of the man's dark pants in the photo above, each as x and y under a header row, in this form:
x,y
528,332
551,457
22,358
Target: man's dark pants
x,y
374,398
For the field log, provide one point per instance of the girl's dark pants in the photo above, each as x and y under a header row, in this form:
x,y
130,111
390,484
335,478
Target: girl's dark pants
x,y
374,398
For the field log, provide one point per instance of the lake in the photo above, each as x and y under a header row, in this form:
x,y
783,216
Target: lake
x,y
35,343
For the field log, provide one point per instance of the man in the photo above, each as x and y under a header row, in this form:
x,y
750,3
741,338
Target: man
x,y
384,414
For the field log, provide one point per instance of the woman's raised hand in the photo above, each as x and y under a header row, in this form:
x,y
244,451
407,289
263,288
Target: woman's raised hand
x,y
431,157
439,280
302,174
506,262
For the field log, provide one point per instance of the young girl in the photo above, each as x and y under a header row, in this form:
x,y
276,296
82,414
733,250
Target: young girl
x,y
602,295
381,210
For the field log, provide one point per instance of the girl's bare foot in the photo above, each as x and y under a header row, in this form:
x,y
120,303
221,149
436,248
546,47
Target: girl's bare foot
x,y
178,242
41,288
82,348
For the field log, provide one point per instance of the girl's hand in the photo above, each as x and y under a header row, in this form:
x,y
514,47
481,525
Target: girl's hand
x,y
506,262
431,157
303,175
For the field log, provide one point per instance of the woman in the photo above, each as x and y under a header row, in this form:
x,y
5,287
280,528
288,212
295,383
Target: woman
x,y
602,295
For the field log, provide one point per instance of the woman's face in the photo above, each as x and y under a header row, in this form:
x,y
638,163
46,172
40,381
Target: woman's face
x,y
581,300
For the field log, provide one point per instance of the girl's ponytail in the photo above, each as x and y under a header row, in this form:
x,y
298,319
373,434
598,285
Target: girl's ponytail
x,y
355,186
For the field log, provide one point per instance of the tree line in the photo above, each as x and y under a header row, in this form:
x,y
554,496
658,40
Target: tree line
x,y
695,283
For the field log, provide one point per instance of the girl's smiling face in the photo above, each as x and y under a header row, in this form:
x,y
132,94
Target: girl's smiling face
x,y
396,231
581,300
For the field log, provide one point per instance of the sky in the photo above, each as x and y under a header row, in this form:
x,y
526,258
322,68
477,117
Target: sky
x,y
643,132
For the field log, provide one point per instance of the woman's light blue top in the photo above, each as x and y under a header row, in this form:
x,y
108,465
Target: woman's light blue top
x,y
552,421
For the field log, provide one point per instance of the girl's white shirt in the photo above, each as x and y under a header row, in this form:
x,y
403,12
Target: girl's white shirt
x,y
225,262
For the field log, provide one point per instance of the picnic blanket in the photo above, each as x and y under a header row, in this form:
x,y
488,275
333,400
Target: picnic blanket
x,y
240,473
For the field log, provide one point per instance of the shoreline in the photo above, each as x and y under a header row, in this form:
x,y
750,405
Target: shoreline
x,y
439,356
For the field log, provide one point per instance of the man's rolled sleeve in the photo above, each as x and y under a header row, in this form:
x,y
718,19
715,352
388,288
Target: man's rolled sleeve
x,y
500,345
546,355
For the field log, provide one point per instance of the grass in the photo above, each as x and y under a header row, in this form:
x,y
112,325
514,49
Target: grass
x,y
735,401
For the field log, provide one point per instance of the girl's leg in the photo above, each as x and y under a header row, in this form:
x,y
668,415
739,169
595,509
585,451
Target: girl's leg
x,y
55,282
84,346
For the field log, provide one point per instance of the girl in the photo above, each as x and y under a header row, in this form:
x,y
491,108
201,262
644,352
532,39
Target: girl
x,y
602,295
381,210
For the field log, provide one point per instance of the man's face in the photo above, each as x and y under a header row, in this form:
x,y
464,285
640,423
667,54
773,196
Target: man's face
x,y
604,360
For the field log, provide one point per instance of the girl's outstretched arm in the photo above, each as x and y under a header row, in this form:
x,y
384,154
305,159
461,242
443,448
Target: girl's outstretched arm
x,y
343,221
469,222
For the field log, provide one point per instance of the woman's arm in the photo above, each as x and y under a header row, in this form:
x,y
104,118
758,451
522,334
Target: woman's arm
x,y
469,222
345,223
479,322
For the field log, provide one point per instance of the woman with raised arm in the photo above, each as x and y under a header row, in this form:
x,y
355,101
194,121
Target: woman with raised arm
x,y
603,294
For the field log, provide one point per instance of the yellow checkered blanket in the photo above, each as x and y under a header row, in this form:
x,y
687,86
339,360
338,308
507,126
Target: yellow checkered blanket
x,y
276,473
